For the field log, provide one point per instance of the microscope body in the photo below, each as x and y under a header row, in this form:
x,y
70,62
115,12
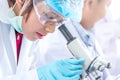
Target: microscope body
x,y
92,66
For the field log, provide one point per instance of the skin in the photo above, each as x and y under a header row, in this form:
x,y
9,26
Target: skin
x,y
32,27
93,11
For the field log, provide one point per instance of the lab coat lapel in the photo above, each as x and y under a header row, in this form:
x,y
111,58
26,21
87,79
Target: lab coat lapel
x,y
13,43
25,60
9,49
98,48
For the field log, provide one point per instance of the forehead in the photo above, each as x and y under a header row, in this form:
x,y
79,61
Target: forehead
x,y
43,7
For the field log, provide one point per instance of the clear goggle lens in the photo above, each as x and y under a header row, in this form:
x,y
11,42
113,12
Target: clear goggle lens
x,y
46,14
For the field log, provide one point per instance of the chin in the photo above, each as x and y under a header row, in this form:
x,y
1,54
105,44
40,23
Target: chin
x,y
31,39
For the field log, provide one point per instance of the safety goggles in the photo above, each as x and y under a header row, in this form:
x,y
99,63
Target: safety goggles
x,y
46,14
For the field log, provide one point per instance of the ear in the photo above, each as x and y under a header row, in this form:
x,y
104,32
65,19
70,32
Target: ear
x,y
87,10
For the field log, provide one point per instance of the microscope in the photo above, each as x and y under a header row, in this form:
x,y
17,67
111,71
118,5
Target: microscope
x,y
93,67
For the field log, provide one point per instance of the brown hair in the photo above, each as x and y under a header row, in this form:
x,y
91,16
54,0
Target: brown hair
x,y
29,7
13,1
27,10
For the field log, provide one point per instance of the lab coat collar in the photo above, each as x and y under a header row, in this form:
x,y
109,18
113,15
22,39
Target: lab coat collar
x,y
25,60
86,35
26,53
13,43
9,48
25,57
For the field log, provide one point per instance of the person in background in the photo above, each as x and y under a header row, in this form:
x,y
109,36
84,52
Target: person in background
x,y
107,34
25,23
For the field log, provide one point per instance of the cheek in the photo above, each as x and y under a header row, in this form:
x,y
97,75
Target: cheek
x,y
104,7
100,13
103,12
34,23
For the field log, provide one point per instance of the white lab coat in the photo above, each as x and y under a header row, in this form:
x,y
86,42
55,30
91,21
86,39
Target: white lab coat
x,y
29,58
4,9
57,48
107,34
9,70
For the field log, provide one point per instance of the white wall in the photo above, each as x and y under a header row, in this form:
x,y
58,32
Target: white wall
x,y
115,9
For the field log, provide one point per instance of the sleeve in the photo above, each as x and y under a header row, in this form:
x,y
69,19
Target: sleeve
x,y
30,75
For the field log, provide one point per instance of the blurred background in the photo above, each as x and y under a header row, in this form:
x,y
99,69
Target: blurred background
x,y
115,9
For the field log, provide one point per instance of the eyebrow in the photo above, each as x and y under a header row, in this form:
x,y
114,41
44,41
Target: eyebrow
x,y
49,16
52,15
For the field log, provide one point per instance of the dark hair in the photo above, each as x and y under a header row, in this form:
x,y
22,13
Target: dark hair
x,y
13,1
28,10
29,7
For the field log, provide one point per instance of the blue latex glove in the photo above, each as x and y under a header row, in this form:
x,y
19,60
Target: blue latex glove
x,y
67,69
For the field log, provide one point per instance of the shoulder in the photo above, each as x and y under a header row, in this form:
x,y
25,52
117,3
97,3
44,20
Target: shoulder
x,y
4,25
5,28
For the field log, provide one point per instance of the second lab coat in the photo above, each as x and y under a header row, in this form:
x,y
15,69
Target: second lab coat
x,y
107,34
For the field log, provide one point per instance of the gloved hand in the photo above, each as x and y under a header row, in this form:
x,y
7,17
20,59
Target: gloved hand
x,y
67,69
